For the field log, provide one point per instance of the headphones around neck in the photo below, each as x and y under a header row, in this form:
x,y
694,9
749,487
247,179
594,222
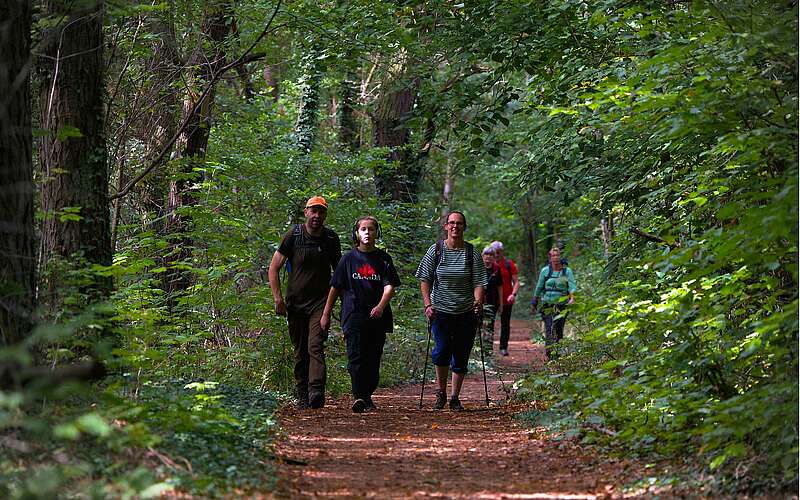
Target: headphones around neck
x,y
354,233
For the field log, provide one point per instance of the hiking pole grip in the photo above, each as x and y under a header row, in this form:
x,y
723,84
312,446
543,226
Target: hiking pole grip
x,y
425,366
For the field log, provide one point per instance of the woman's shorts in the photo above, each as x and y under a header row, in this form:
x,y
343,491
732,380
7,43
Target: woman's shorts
x,y
453,336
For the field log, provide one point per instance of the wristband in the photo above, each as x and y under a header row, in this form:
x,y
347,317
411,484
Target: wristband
x,y
429,305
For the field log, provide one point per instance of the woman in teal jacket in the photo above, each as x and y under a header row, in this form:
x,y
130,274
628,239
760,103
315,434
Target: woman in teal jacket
x,y
556,290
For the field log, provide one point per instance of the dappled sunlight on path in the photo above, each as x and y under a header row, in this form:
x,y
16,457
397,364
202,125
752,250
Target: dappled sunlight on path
x,y
400,451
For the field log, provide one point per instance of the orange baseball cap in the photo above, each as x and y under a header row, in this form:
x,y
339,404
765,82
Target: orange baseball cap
x,y
317,201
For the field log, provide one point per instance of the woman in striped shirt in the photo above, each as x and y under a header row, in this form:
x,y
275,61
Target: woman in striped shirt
x,y
452,280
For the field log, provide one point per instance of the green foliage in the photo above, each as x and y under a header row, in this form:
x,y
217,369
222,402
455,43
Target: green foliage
x,y
204,438
672,120
682,122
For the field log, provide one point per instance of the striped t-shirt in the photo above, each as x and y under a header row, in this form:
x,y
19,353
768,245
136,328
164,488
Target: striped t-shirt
x,y
453,289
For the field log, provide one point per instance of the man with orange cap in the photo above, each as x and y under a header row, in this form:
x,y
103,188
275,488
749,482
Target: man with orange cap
x,y
312,250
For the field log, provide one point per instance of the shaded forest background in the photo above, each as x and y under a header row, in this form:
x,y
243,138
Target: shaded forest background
x,y
155,152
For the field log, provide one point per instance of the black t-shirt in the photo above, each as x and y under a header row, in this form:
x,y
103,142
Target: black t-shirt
x,y
361,277
495,280
311,260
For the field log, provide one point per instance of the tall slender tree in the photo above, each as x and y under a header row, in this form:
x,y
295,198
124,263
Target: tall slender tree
x,y
399,181
348,126
207,60
17,261
308,120
73,151
161,123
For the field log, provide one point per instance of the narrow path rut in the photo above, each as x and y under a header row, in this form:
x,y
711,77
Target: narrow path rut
x,y
400,451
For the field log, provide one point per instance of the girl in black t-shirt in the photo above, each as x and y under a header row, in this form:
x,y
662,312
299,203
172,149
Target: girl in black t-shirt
x,y
366,279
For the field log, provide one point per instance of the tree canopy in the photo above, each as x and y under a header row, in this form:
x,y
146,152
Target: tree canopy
x,y
166,147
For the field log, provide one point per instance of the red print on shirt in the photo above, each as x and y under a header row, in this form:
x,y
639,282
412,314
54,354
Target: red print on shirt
x,y
366,271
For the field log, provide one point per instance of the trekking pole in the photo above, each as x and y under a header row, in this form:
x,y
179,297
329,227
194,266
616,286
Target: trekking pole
x,y
425,366
479,322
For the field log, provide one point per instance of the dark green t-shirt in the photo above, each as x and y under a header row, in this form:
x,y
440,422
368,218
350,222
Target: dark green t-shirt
x,y
311,261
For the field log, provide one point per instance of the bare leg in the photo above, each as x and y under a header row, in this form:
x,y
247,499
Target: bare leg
x,y
441,377
458,379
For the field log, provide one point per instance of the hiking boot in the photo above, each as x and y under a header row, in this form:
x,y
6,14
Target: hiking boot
x,y
455,404
302,404
316,400
441,398
359,405
370,404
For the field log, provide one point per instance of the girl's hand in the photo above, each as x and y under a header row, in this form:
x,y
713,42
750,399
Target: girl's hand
x,y
376,312
325,321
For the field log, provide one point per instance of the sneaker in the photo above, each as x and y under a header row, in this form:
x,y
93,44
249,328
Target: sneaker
x,y
455,404
370,404
441,398
359,405
504,352
316,400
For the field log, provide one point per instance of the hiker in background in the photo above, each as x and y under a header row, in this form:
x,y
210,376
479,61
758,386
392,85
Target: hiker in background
x,y
555,289
492,303
366,279
452,282
312,251
509,274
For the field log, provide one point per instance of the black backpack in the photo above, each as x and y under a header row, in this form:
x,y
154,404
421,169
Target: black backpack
x,y
438,257
328,239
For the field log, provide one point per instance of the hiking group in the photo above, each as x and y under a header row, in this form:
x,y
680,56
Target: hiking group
x,y
459,298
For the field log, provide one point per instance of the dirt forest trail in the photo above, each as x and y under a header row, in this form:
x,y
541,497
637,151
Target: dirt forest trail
x,y
401,452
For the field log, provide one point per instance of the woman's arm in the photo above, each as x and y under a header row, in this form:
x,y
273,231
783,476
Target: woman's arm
x,y
425,290
325,320
572,286
539,290
477,294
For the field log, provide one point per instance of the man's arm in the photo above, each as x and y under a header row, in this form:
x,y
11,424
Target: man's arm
x,y
278,259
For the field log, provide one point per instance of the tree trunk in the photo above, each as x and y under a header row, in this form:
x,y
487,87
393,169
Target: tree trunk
x,y
116,208
348,128
306,128
193,142
399,179
447,189
606,228
17,261
247,91
530,236
73,153
271,72
161,123
550,240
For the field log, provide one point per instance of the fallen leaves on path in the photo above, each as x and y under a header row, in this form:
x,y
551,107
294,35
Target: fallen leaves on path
x,y
400,451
